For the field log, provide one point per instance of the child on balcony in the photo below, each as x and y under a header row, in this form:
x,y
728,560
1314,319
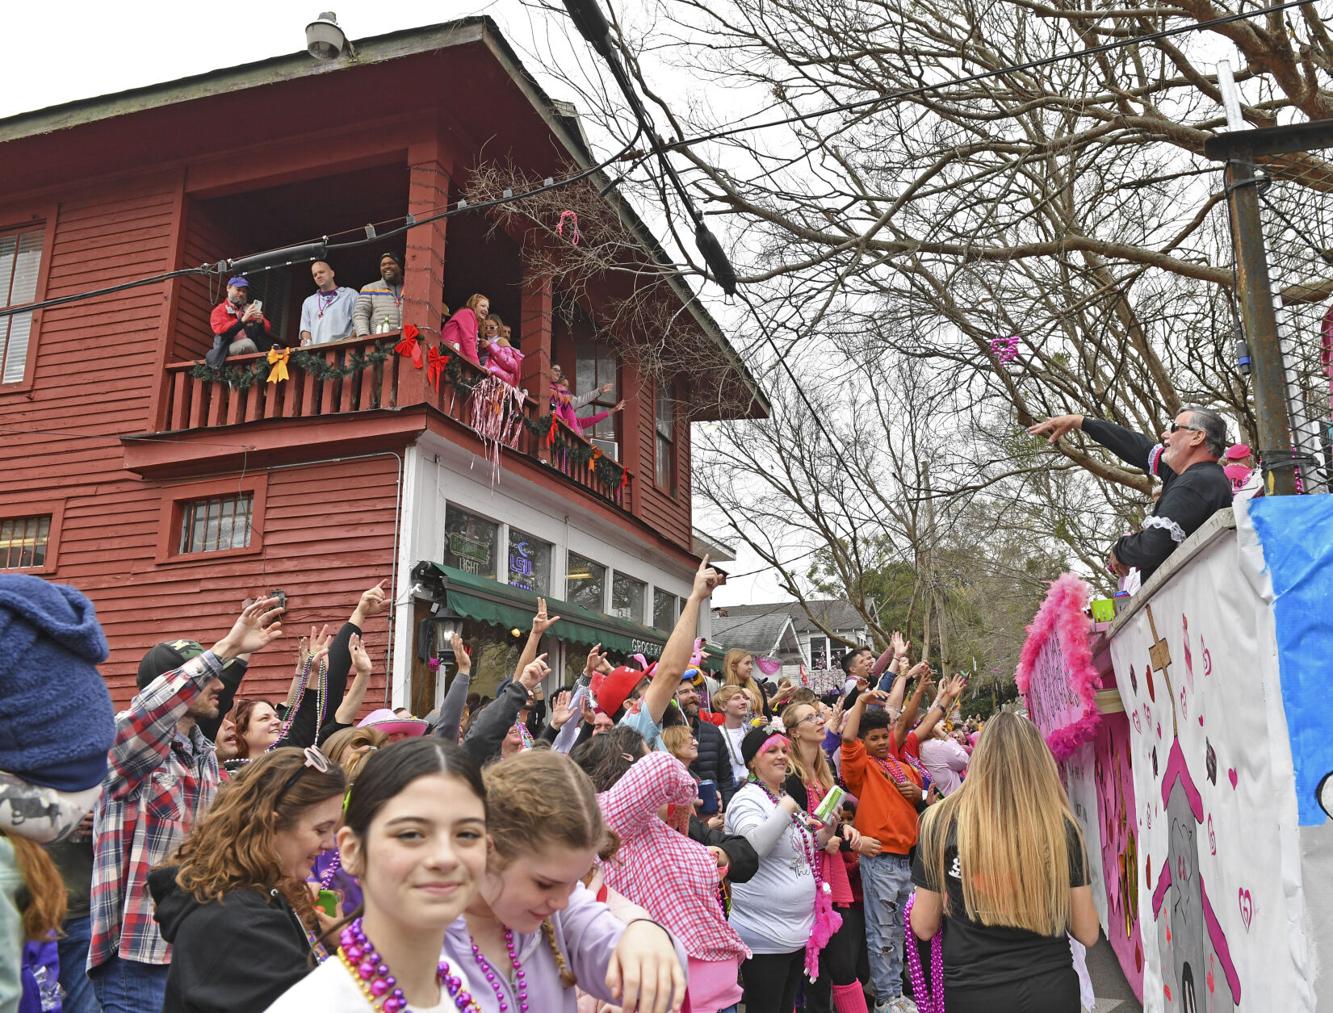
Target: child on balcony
x,y
565,403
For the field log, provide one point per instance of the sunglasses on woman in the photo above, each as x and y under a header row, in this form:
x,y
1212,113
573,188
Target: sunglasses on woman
x,y
313,759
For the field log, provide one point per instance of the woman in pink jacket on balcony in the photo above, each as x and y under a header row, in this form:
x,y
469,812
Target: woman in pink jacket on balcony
x,y
460,333
503,359
565,403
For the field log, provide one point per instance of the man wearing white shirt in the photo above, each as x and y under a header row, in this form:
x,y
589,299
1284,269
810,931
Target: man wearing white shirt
x,y
734,704
327,315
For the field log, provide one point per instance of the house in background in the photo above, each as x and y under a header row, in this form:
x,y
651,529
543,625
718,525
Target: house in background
x,y
765,631
785,631
168,496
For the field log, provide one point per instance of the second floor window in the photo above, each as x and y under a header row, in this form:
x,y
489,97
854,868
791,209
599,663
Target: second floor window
x,y
217,524
20,264
595,365
23,541
665,424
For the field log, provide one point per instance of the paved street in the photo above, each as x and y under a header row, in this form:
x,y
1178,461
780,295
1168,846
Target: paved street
x,y
1108,982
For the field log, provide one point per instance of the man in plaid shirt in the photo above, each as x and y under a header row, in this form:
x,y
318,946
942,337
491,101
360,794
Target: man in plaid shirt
x,y
162,774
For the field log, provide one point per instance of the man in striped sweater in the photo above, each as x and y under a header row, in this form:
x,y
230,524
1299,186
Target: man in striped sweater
x,y
379,306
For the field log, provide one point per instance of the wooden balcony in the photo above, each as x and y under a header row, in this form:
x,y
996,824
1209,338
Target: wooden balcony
x,y
361,375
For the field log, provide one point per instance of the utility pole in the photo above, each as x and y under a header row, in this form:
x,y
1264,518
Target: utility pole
x,y
1254,292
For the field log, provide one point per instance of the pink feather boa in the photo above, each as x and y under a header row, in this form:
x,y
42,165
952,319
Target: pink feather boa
x,y
1061,615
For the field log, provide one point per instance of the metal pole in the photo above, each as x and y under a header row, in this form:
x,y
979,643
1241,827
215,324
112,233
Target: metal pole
x,y
1254,292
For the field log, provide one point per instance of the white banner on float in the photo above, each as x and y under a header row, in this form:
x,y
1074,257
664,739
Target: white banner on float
x,y
1219,899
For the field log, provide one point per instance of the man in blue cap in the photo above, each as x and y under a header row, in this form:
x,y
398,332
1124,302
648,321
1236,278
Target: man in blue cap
x,y
238,325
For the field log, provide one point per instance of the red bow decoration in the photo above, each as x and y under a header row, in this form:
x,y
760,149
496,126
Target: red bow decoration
x,y
409,347
550,433
435,364
624,478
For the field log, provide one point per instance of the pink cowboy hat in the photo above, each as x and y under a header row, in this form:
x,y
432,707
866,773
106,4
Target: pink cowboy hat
x,y
386,721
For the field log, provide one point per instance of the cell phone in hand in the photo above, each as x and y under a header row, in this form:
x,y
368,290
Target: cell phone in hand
x,y
258,304
327,901
281,595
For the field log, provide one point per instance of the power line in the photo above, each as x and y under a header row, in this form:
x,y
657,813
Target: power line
x,y
661,149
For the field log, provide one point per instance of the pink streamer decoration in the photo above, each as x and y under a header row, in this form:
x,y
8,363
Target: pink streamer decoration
x,y
1005,349
769,666
1061,615
574,234
497,417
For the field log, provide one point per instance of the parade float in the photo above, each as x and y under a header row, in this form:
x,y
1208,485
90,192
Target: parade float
x,y
1195,738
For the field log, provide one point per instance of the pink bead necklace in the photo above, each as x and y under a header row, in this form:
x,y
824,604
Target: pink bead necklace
x,y
377,983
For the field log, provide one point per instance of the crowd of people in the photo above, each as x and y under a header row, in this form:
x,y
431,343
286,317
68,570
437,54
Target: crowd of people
x,y
656,839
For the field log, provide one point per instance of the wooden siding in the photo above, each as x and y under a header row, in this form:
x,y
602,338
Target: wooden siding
x,y
328,535
206,240
662,509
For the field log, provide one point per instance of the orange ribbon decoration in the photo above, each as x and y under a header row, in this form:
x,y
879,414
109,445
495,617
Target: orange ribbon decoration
x,y
435,368
277,361
592,461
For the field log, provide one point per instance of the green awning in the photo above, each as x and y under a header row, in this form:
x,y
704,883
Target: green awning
x,y
489,601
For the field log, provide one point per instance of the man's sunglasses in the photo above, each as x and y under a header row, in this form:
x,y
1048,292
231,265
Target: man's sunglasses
x,y
313,758
1175,427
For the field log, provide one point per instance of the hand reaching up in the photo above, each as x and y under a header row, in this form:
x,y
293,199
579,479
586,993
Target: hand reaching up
x,y
258,625
360,659
542,622
532,676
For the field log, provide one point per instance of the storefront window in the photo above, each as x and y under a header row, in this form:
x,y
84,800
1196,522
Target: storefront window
x,y
627,596
585,582
529,562
664,609
494,654
470,542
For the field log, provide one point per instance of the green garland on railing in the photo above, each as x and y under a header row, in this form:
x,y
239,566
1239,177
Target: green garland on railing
x,y
245,377
606,471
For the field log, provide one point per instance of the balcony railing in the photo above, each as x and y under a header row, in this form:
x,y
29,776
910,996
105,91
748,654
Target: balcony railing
x,y
365,374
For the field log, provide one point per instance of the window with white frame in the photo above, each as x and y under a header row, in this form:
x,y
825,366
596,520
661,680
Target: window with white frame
x,y
470,542
627,597
664,609
529,562
826,653
664,414
585,582
20,265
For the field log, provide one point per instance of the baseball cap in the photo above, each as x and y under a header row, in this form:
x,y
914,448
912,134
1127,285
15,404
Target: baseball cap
x,y
169,656
239,281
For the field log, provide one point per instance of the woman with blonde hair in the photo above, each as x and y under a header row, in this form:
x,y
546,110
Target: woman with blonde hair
x,y
234,902
349,748
1001,868
810,777
738,670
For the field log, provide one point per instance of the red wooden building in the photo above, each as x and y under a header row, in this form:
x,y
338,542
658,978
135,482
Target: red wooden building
x,y
168,497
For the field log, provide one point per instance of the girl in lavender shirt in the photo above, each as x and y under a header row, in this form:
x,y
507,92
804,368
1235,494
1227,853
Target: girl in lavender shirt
x,y
416,837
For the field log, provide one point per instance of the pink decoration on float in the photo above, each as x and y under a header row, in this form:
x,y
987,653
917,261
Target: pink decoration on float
x,y
769,666
1055,673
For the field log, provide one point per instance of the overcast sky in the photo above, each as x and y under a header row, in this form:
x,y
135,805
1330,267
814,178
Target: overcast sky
x,y
78,49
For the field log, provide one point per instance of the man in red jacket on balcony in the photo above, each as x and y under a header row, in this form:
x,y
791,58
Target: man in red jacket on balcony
x,y
238,325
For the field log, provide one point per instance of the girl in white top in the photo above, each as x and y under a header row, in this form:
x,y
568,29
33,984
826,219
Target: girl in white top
x,y
774,911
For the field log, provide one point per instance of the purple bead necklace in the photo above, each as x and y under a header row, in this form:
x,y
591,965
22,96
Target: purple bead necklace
x,y
493,978
380,987
928,999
